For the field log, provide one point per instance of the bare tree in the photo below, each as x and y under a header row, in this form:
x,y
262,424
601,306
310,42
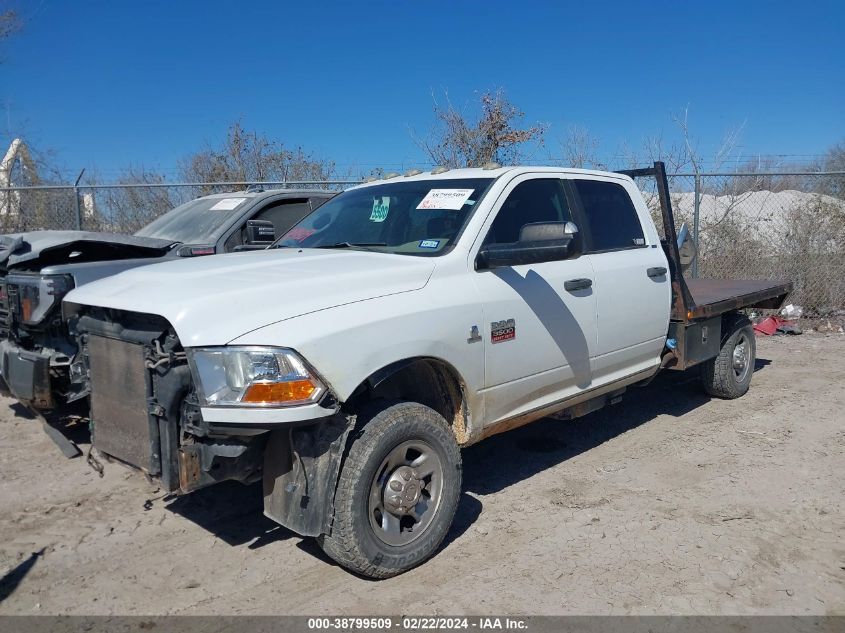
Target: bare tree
x,y
723,153
757,176
683,154
580,149
127,209
458,141
834,160
247,156
9,23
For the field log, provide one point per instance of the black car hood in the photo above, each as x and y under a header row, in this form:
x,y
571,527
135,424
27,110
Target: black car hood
x,y
44,248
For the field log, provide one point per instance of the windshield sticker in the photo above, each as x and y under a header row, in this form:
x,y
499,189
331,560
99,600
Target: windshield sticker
x,y
429,243
227,204
380,208
452,199
297,234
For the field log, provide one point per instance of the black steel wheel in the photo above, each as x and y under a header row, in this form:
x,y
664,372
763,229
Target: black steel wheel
x,y
729,374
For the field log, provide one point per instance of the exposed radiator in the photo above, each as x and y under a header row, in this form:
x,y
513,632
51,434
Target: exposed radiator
x,y
119,391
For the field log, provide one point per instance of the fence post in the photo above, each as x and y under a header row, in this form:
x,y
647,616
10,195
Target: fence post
x,y
695,219
76,200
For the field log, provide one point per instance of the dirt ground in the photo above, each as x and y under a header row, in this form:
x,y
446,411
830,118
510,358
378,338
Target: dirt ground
x,y
669,502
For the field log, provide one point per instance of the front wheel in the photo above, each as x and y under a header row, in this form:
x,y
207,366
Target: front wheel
x,y
729,374
397,492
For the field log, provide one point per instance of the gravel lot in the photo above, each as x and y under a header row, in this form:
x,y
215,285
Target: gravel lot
x,y
667,503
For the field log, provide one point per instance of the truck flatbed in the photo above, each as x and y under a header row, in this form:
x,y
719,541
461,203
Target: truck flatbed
x,y
713,297
694,300
700,305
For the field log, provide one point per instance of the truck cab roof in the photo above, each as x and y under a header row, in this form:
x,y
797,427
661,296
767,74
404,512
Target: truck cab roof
x,y
483,172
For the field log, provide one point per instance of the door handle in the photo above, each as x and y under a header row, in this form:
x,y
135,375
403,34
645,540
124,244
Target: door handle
x,y
657,271
577,284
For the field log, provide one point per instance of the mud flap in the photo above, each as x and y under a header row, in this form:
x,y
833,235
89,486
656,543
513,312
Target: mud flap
x,y
301,467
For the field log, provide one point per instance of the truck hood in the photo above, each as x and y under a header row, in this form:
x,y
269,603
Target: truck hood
x,y
214,300
21,250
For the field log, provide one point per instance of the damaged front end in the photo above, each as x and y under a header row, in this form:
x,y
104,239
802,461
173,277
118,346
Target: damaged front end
x,y
35,349
144,409
37,270
147,412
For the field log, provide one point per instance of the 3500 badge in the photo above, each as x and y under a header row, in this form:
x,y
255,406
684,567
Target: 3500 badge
x,y
502,330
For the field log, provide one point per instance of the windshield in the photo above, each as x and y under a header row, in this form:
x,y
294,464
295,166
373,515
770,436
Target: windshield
x,y
198,221
422,217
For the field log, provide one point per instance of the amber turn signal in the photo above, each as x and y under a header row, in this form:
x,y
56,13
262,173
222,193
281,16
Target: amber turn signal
x,y
275,392
26,309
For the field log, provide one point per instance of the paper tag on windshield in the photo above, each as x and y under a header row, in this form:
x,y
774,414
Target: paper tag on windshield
x,y
227,204
451,199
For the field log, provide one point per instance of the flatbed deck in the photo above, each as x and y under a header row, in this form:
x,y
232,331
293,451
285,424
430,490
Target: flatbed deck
x,y
699,304
712,297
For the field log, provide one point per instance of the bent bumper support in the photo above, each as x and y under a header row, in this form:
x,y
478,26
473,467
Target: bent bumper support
x,y
301,467
68,448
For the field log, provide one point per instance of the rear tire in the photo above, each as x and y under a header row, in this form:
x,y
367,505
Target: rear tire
x,y
397,492
729,375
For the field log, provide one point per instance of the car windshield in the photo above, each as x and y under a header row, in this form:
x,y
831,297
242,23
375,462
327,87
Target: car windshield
x,y
417,217
198,221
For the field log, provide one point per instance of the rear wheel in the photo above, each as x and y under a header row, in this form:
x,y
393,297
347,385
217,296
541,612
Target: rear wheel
x,y
729,374
397,492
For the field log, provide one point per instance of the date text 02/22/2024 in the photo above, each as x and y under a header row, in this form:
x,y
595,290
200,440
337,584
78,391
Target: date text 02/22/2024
x,y
418,623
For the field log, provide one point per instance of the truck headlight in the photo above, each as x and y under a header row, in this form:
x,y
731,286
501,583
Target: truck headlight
x,y
253,376
32,296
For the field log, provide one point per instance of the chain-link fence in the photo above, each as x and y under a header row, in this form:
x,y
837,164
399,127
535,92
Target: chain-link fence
x,y
767,226
114,208
787,226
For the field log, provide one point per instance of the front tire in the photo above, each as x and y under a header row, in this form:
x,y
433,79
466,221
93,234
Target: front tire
x,y
728,375
397,492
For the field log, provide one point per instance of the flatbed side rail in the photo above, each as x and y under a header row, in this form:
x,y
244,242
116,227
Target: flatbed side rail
x,y
718,296
682,302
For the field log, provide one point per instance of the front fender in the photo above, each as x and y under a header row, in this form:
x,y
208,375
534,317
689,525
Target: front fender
x,y
350,343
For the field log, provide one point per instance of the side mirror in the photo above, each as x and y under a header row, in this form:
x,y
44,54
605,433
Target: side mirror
x,y
195,250
538,242
260,232
687,249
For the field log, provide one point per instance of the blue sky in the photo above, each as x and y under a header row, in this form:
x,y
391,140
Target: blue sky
x,y
108,84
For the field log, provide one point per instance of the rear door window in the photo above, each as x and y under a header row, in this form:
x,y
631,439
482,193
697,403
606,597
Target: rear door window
x,y
612,221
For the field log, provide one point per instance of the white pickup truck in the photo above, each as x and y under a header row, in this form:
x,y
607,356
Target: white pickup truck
x,y
404,319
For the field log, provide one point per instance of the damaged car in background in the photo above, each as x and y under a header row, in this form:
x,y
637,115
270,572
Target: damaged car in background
x,y
39,363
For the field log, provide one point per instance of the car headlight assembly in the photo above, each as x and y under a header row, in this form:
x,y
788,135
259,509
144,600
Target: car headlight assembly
x,y
35,295
254,377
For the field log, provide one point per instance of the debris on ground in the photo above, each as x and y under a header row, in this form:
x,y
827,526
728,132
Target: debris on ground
x,y
776,325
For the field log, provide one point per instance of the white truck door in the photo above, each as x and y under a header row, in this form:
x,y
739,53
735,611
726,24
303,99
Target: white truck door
x,y
632,284
538,336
